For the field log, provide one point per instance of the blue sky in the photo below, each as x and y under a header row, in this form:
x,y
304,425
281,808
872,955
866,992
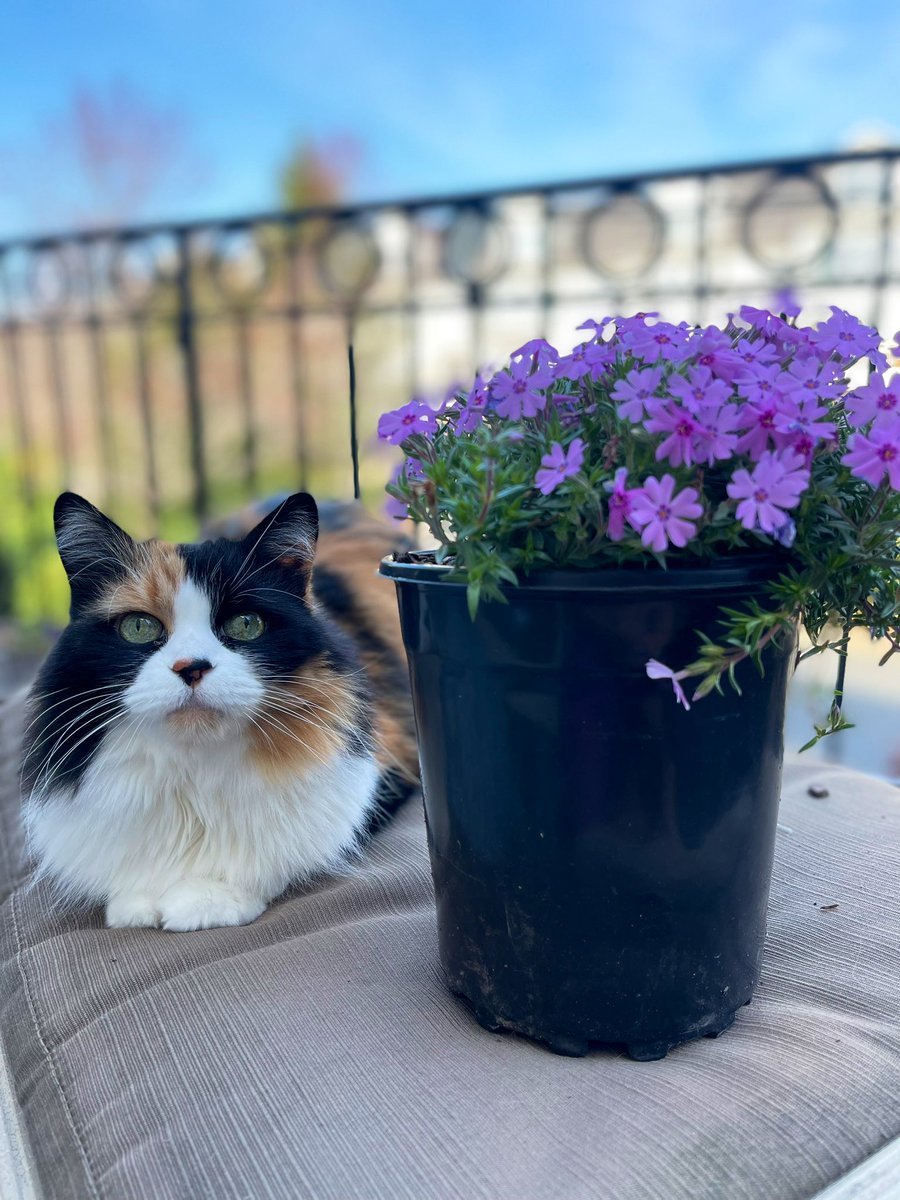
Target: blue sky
x,y
447,97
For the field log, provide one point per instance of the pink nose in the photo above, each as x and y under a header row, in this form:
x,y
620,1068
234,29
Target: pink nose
x,y
192,670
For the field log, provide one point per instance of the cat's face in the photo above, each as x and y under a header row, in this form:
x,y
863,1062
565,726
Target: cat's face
x,y
187,644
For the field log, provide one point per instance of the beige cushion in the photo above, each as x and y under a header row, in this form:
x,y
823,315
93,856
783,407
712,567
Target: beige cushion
x,y
317,1054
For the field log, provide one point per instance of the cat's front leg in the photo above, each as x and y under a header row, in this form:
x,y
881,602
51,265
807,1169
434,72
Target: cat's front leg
x,y
128,909
207,903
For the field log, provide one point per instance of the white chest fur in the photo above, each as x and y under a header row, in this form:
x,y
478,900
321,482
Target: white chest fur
x,y
189,837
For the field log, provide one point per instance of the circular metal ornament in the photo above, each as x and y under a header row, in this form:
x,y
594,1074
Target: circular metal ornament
x,y
475,247
140,267
48,278
790,222
241,265
348,260
623,237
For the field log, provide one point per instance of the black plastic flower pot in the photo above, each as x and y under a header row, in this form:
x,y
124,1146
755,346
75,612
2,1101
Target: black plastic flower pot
x,y
601,857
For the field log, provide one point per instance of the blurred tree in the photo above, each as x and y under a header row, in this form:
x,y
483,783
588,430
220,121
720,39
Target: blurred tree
x,y
318,173
111,154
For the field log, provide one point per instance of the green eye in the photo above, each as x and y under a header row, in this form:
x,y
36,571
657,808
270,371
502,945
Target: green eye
x,y
245,627
140,628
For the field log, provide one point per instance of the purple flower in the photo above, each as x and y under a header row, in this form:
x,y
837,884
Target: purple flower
x,y
597,326
620,500
538,350
716,438
775,485
699,389
762,321
663,516
846,336
873,457
808,378
653,342
683,429
895,349
415,417
575,365
476,402
712,348
559,465
760,382
786,534
799,425
394,508
600,356
759,422
658,670
787,302
634,392
752,354
876,399
517,392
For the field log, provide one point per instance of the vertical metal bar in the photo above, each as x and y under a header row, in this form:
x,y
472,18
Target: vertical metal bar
x,y
190,363
701,257
101,383
60,394
547,298
886,207
296,360
354,440
24,447
145,403
475,299
412,306
248,402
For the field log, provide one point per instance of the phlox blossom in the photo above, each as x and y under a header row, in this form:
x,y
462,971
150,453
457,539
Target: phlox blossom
x,y
776,484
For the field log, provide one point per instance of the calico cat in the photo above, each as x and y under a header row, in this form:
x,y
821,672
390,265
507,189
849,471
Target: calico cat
x,y
218,720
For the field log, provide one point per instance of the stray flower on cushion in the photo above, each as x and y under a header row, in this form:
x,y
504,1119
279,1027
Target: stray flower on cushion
x,y
619,504
662,516
876,399
634,393
559,465
658,670
776,484
517,392
873,457
786,534
415,417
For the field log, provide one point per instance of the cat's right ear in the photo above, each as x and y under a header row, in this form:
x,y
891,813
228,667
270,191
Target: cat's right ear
x,y
93,549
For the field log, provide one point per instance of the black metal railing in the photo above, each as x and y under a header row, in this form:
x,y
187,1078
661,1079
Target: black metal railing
x,y
168,371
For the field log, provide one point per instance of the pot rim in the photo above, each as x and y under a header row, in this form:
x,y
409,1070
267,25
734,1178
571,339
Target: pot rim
x,y
714,575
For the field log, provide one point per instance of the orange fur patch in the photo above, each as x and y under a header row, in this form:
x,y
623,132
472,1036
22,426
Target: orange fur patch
x,y
354,555
150,585
303,722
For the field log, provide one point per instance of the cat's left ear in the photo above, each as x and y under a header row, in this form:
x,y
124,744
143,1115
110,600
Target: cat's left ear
x,y
93,549
287,535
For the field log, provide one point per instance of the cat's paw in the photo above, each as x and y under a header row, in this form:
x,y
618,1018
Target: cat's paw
x,y
206,904
139,908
